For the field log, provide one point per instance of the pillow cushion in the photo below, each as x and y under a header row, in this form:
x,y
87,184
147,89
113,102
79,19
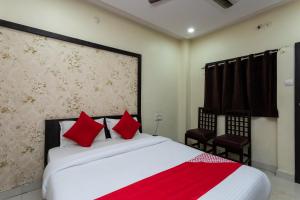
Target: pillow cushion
x,y
84,131
66,125
127,126
112,123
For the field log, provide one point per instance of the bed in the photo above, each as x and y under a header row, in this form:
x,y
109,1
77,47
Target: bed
x,y
80,173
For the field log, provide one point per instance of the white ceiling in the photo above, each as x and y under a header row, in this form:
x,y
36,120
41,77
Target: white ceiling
x,y
173,17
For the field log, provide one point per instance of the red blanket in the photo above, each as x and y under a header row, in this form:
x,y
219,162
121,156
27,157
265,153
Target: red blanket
x,y
189,180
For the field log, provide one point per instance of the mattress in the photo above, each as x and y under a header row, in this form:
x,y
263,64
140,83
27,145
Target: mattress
x,y
92,173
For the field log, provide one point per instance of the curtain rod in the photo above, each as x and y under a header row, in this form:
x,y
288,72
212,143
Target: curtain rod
x,y
242,58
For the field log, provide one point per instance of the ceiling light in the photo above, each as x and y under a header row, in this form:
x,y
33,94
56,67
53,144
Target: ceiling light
x,y
191,30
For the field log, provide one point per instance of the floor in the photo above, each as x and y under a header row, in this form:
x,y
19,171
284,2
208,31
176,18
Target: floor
x,y
281,190
34,195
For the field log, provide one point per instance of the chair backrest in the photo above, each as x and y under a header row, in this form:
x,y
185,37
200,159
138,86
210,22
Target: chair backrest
x,y
238,123
207,120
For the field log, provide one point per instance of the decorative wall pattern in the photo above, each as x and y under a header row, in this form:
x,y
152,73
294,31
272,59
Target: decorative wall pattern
x,y
43,78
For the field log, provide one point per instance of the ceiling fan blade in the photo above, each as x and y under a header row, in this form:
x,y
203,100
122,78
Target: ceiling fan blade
x,y
224,3
153,1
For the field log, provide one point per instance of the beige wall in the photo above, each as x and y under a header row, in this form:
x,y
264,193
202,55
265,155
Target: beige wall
x,y
273,139
79,19
183,95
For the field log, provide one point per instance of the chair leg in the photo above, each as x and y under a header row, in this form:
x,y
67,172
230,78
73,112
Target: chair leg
x,y
242,156
205,147
249,155
226,153
214,149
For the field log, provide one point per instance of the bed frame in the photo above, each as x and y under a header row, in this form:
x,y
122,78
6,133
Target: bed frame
x,y
52,132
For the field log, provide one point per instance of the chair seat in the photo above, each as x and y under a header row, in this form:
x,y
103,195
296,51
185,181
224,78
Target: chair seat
x,y
231,141
200,134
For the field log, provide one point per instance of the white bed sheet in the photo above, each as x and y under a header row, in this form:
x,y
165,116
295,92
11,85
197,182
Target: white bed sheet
x,y
63,152
92,174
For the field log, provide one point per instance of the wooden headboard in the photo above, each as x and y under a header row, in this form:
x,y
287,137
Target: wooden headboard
x,y
52,132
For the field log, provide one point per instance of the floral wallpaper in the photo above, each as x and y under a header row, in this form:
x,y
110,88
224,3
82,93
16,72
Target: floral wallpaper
x,y
43,78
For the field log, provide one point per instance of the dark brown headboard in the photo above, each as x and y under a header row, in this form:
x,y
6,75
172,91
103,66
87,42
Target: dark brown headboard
x,y
52,132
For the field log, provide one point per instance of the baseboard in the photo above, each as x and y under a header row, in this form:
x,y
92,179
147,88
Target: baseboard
x,y
274,170
263,166
21,190
285,175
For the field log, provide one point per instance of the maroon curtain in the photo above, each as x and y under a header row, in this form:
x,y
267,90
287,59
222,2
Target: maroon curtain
x,y
228,86
243,84
213,88
262,85
239,95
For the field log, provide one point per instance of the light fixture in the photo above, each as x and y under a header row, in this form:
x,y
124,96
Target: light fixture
x,y
191,30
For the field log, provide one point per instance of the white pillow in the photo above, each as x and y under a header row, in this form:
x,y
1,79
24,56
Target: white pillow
x,y
66,125
111,123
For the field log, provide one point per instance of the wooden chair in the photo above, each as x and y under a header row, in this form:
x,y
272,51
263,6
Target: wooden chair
x,y
206,131
237,136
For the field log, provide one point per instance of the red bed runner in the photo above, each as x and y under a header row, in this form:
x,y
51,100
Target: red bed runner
x,y
189,180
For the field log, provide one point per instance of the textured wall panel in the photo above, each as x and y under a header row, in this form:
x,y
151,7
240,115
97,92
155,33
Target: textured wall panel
x,y
43,78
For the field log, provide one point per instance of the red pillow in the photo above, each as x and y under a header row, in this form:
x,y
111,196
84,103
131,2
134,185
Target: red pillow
x,y
127,126
84,131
